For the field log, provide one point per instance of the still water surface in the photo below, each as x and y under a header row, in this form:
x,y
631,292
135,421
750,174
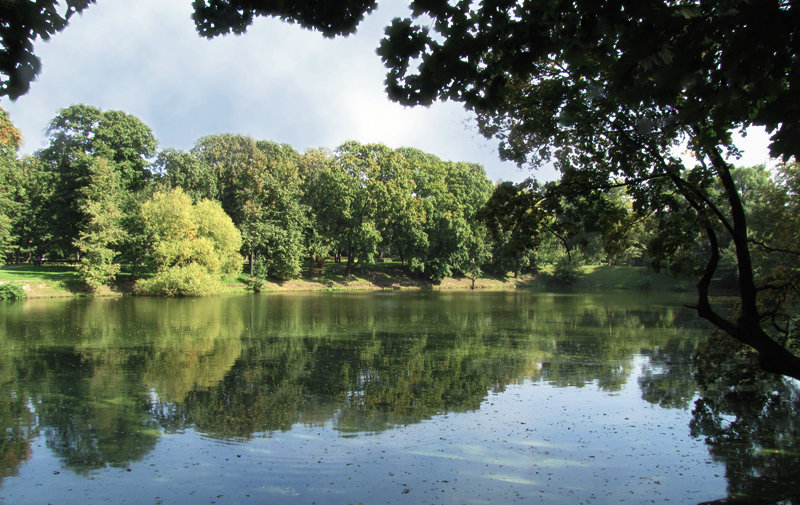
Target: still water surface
x,y
390,397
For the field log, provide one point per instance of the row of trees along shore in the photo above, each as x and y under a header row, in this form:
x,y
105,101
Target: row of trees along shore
x,y
102,196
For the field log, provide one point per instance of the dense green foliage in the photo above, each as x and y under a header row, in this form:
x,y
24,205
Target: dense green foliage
x,y
10,140
97,196
101,231
12,291
357,204
192,245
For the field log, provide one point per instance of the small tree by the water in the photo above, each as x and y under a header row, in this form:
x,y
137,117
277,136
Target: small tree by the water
x,y
193,245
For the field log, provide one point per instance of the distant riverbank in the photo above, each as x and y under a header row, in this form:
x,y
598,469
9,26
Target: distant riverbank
x,y
53,281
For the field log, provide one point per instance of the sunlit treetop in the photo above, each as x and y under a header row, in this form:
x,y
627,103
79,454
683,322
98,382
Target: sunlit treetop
x,y
10,136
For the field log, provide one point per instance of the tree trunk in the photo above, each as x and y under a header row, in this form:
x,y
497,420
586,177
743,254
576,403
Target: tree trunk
x,y
747,328
348,270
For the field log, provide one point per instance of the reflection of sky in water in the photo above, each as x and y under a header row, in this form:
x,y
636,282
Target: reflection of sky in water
x,y
532,443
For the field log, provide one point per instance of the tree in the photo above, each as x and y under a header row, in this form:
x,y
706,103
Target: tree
x,y
80,134
33,228
607,90
516,221
192,245
344,199
450,238
83,130
102,231
178,169
389,188
10,141
315,241
258,185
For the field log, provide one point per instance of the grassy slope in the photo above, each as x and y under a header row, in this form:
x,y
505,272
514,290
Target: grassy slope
x,y
60,281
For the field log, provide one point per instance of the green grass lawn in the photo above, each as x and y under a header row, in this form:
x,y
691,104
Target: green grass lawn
x,y
623,277
43,281
30,272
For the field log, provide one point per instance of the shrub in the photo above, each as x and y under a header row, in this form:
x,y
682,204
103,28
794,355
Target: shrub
x,y
192,245
566,271
189,280
12,291
96,268
255,284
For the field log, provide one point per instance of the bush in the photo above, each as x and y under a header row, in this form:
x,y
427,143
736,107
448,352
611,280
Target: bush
x,y
12,291
255,284
566,271
189,280
96,268
192,246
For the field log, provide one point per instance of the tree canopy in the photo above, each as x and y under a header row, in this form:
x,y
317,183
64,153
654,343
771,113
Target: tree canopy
x,y
192,243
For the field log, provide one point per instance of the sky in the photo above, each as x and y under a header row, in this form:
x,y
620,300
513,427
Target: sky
x,y
276,82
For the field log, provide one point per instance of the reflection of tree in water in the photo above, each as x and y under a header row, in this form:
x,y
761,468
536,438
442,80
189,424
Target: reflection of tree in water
x,y
90,417
97,364
596,344
756,434
188,345
666,379
106,377
749,419
101,380
17,422
367,383
309,361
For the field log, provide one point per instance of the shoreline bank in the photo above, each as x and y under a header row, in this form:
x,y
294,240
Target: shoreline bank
x,y
61,282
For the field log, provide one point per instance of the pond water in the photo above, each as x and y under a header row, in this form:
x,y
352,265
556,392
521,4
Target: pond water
x,y
388,397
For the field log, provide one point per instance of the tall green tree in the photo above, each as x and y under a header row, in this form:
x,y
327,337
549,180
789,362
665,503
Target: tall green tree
x,y
10,141
389,186
448,196
77,136
345,203
102,232
316,242
516,221
33,228
258,185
